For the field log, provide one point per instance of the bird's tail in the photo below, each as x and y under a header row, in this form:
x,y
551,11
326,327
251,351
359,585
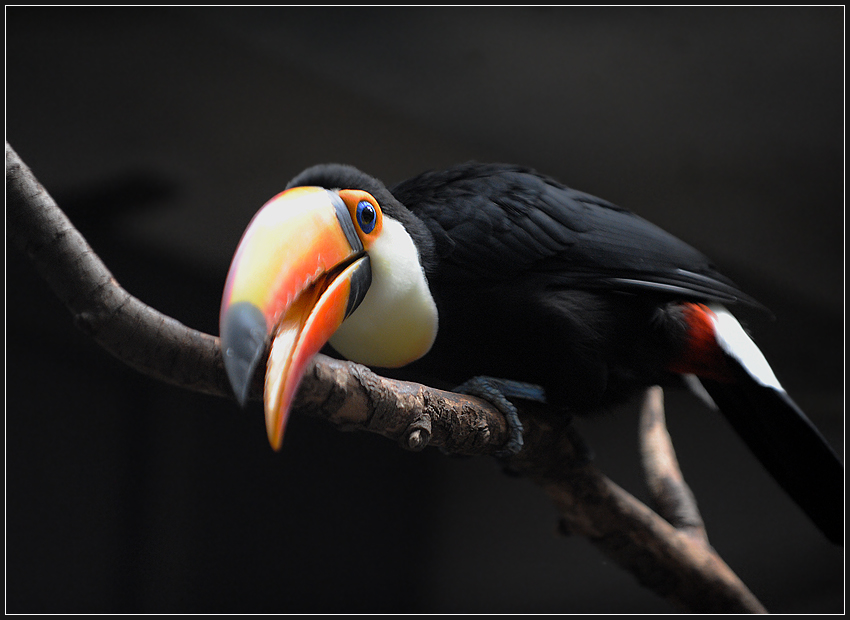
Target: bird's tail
x,y
774,428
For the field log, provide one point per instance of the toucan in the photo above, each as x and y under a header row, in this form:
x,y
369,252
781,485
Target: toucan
x,y
495,270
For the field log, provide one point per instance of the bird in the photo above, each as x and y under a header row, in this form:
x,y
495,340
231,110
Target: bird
x,y
496,270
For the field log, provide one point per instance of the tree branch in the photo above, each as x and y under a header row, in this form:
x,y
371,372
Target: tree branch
x,y
671,495
672,562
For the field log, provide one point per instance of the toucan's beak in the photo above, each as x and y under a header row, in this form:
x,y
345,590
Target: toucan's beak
x,y
299,271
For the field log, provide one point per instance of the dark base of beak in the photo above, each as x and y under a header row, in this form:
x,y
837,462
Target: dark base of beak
x,y
243,346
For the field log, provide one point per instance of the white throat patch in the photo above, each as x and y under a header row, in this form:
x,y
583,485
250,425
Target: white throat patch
x,y
397,321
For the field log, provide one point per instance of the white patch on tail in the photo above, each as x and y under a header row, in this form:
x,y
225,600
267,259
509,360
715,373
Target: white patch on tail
x,y
736,343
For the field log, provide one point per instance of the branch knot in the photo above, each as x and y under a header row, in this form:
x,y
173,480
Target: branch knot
x,y
418,433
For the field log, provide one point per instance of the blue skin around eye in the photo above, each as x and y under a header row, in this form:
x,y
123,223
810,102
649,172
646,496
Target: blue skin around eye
x,y
366,217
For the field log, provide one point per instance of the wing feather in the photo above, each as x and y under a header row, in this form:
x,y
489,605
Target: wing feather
x,y
495,222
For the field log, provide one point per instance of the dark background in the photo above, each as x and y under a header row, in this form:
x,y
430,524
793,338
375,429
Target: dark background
x,y
160,132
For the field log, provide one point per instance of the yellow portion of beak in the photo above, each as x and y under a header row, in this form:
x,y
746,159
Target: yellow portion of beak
x,y
294,239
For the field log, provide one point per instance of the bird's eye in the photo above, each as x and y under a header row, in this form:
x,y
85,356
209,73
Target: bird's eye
x,y
365,214
367,217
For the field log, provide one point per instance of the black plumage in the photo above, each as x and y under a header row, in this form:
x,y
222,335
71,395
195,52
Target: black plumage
x,y
498,222
539,282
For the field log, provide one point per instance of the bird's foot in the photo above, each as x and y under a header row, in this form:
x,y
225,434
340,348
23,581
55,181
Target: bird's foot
x,y
498,392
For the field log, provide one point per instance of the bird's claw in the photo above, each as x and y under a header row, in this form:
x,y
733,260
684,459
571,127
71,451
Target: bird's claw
x,y
497,392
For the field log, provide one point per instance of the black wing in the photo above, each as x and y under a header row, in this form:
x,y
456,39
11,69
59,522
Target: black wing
x,y
494,221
